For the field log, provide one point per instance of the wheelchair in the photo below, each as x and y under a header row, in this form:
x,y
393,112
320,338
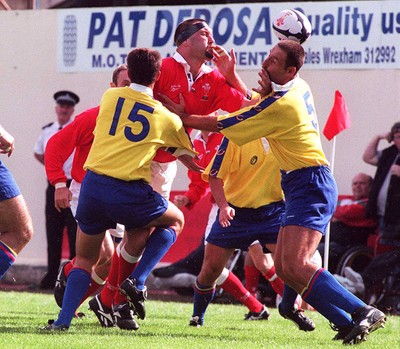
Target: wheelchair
x,y
385,295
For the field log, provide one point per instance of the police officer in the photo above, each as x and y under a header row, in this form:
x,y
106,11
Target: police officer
x,y
57,221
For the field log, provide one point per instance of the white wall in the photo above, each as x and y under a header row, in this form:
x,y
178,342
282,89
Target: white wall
x,y
29,79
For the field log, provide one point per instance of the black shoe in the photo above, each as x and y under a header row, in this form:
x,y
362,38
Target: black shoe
x,y
167,272
196,322
298,317
61,284
342,331
366,320
136,297
123,317
104,314
261,315
46,283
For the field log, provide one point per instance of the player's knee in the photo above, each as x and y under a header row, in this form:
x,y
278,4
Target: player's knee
x,y
84,262
179,223
24,233
27,234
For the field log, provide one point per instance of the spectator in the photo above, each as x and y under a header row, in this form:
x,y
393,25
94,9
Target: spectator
x,y
349,224
56,220
384,199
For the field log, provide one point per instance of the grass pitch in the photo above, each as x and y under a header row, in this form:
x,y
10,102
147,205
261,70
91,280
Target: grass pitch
x,y
22,315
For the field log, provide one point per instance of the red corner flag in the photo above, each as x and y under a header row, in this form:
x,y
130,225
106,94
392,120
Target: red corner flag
x,y
339,118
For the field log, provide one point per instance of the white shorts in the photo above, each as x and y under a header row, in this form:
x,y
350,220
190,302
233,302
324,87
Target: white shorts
x,y
162,176
75,189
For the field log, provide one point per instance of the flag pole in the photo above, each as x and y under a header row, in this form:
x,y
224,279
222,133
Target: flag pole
x,y
328,229
338,120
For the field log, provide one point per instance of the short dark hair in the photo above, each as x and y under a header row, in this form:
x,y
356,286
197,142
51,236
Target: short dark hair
x,y
117,71
184,27
395,129
143,65
294,53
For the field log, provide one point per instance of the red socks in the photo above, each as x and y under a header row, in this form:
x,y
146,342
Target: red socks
x,y
275,281
252,278
233,286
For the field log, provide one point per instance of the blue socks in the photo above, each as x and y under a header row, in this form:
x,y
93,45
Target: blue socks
x,y
288,299
7,258
203,295
77,285
331,299
157,246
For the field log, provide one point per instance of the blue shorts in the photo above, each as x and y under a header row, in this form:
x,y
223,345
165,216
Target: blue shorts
x,y
311,197
105,201
8,187
249,225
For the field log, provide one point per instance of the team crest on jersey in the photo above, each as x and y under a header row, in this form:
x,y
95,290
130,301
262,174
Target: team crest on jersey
x,y
253,160
175,88
206,88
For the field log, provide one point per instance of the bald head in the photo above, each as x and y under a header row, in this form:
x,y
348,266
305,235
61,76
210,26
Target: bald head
x,y
361,185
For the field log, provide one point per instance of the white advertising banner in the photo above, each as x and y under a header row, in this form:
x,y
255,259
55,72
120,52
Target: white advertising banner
x,y
346,34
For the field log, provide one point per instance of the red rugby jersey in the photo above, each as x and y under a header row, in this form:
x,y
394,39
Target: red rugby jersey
x,y
77,135
209,92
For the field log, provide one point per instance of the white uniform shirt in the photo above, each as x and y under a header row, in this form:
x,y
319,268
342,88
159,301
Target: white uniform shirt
x,y
40,146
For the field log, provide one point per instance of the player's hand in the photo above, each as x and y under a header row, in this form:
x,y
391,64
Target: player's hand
x,y
62,198
189,162
265,87
181,200
387,136
250,102
225,63
177,108
395,170
226,214
6,143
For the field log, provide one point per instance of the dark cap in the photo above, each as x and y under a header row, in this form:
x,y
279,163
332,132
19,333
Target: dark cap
x,y
66,97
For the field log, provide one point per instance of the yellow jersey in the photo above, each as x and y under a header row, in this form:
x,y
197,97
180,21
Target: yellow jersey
x,y
130,127
250,173
287,118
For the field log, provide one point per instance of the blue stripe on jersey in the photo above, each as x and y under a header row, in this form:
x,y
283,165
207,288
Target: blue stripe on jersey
x,y
252,112
117,115
219,157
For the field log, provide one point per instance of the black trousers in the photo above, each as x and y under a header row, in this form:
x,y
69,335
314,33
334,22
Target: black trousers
x,y
55,224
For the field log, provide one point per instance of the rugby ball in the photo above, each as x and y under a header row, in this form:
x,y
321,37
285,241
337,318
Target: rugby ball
x,y
292,25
